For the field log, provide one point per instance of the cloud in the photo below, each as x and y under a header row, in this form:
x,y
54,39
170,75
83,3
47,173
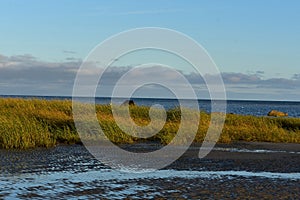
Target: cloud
x,y
27,68
233,78
72,59
255,79
251,86
296,77
69,52
25,74
12,61
260,72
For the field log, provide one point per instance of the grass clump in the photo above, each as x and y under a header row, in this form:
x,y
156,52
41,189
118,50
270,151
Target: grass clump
x,y
28,123
35,123
262,129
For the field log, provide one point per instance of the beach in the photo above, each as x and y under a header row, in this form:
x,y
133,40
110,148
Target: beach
x,y
42,155
239,170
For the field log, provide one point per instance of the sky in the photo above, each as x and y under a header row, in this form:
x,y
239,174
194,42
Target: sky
x,y
255,44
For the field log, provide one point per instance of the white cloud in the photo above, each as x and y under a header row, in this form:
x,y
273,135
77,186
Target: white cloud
x,y
25,74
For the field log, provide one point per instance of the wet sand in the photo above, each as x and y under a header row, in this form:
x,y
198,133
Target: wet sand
x,y
239,170
255,157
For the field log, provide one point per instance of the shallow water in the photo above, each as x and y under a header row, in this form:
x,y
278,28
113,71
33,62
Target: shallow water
x,y
71,172
59,183
254,150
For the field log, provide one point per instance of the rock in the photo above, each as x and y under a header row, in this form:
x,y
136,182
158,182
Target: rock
x,y
128,102
276,113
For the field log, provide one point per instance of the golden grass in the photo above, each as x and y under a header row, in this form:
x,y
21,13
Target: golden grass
x,y
28,123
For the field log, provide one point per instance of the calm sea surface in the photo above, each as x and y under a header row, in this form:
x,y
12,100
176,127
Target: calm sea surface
x,y
256,108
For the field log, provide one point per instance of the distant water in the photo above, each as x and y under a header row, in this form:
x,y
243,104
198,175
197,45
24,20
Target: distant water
x,y
243,107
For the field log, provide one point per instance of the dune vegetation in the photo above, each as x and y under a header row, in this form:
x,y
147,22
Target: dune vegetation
x,y
28,123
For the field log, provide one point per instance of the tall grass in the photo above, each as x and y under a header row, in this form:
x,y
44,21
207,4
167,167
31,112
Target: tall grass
x,y
28,123
35,123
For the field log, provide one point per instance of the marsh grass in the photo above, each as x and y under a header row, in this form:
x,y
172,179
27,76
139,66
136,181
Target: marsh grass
x,y
28,123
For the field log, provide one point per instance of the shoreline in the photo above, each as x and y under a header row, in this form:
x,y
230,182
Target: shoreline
x,y
55,97
272,146
70,171
239,156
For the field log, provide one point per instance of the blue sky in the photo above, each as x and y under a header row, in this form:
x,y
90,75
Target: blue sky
x,y
245,38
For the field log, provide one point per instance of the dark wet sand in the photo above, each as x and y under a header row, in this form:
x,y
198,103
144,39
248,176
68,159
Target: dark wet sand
x,y
281,158
284,161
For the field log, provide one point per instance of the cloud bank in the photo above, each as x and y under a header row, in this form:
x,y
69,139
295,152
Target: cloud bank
x,y
26,75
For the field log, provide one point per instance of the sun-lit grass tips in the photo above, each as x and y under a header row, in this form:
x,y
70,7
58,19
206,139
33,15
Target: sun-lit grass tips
x,y
28,123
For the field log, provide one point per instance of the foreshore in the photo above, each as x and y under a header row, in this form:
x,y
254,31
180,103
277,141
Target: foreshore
x,y
238,170
247,156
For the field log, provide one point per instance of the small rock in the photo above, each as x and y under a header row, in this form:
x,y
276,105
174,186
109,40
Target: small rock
x,y
276,113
